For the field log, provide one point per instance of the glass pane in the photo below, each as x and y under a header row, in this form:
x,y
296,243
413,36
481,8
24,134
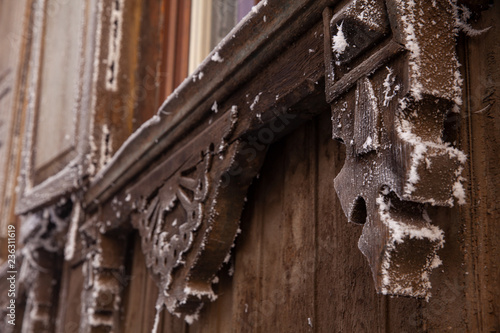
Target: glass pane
x,y
60,73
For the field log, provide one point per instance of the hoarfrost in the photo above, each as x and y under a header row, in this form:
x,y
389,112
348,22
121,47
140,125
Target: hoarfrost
x,y
216,57
200,293
69,249
255,101
458,188
367,143
114,46
398,233
462,14
339,42
424,148
191,318
214,107
412,44
388,83
157,319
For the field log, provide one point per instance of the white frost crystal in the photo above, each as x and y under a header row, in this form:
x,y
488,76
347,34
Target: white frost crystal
x,y
339,42
217,58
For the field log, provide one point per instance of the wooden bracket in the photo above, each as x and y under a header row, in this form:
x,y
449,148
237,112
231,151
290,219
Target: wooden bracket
x,y
187,212
390,83
43,236
104,272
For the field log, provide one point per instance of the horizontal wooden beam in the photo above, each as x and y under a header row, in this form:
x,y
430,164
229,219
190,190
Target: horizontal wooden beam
x,y
243,52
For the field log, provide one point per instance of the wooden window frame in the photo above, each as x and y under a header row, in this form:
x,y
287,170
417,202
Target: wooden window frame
x,y
65,180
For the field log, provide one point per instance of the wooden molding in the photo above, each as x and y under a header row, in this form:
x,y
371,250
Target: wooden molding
x,y
66,169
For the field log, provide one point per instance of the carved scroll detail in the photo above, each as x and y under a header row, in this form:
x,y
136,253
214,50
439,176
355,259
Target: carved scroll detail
x,y
388,106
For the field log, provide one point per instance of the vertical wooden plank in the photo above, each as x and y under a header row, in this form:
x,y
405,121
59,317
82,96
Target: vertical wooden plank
x,y
69,311
170,50
149,313
247,262
445,311
216,316
15,20
182,42
172,324
134,296
257,311
289,235
347,301
480,136
150,50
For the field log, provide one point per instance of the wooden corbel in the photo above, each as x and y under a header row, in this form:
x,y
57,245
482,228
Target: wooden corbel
x,y
43,236
104,272
391,78
187,212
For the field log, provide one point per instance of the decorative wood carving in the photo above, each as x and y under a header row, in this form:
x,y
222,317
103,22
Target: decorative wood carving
x,y
188,211
104,270
392,77
43,236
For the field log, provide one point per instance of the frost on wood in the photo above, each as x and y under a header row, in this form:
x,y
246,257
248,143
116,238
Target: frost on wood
x,y
355,27
114,44
390,112
428,33
405,231
217,58
339,42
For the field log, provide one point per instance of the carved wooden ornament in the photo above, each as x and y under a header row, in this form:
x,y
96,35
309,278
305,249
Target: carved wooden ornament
x,y
392,77
43,236
188,211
